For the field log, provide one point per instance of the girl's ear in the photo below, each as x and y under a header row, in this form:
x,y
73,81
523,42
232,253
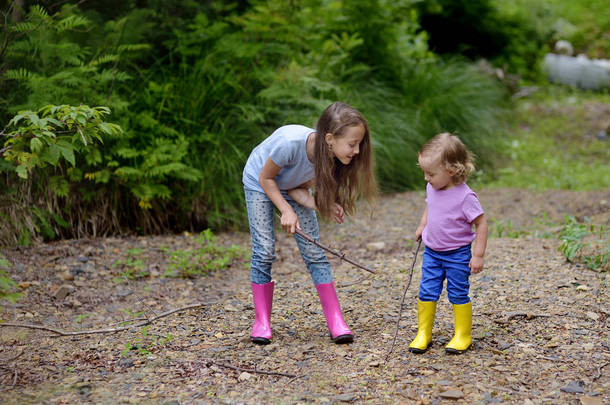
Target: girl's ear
x,y
329,138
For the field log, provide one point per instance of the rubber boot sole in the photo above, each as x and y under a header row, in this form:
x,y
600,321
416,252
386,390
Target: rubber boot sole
x,y
417,350
450,350
343,339
260,340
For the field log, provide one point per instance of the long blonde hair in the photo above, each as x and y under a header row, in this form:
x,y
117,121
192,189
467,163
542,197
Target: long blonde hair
x,y
334,181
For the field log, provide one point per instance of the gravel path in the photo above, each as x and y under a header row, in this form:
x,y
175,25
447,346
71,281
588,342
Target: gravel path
x,y
540,324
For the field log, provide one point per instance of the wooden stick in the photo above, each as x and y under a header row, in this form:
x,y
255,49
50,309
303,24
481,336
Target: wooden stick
x,y
404,293
334,252
109,330
250,370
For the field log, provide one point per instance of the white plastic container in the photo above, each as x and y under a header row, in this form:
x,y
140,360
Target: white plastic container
x,y
578,71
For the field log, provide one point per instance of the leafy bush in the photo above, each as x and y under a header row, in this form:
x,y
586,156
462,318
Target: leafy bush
x,y
508,36
43,140
7,286
212,87
585,243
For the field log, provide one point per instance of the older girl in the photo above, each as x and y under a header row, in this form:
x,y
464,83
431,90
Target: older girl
x,y
336,160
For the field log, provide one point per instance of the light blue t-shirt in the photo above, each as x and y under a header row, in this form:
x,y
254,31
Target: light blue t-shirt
x,y
286,146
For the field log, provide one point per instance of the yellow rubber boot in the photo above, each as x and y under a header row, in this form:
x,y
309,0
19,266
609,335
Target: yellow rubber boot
x,y
425,320
462,339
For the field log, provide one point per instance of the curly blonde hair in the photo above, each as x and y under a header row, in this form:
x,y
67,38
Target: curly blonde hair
x,y
452,153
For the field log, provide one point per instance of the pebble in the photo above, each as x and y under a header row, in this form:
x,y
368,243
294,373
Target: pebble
x,y
452,394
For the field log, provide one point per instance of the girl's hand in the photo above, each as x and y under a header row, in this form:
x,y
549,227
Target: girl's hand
x,y
290,221
476,264
339,214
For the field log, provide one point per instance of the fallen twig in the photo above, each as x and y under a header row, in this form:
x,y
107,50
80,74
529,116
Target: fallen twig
x,y
109,330
525,315
360,280
402,300
249,370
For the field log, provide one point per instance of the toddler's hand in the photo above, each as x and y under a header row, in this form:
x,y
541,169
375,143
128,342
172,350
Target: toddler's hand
x,y
476,264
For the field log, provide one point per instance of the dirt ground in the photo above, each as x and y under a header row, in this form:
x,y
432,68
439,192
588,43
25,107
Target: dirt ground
x,y
540,324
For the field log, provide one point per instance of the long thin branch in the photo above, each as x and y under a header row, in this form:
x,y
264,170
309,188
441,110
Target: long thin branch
x,y
402,300
108,330
334,252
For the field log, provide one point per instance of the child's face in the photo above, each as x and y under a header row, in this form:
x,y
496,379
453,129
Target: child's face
x,y
346,147
435,173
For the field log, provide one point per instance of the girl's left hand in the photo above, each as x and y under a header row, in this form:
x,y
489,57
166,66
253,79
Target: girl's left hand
x,y
476,264
339,214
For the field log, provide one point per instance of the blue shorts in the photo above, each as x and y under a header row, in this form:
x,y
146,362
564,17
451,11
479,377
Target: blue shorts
x,y
452,265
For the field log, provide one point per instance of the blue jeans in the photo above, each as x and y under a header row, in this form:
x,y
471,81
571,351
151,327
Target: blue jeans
x,y
260,216
452,265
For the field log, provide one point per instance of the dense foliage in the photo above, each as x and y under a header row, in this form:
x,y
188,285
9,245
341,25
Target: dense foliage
x,y
194,86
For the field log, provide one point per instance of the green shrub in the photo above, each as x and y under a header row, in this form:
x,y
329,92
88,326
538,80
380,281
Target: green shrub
x,y
209,256
585,243
194,105
507,36
7,286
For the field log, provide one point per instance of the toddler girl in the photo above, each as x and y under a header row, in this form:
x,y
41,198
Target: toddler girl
x,y
452,209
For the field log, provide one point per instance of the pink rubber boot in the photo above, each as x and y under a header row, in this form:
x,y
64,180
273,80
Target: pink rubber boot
x,y
339,332
263,298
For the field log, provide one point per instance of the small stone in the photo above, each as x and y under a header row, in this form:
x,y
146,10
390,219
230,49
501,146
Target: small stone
x,y
67,276
374,363
126,363
124,293
444,382
375,246
63,291
593,315
502,345
452,394
245,376
83,259
230,308
574,387
345,398
76,270
587,400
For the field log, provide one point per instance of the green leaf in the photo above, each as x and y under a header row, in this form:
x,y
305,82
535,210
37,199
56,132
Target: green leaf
x,y
51,154
67,151
35,145
22,171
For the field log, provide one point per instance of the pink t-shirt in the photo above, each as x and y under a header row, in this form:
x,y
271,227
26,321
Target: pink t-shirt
x,y
450,216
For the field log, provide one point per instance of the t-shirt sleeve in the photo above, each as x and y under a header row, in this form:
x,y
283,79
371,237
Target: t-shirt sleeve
x,y
472,207
284,153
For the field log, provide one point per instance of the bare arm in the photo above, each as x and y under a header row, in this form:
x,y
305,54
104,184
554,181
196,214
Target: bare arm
x,y
289,219
422,224
480,244
303,197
